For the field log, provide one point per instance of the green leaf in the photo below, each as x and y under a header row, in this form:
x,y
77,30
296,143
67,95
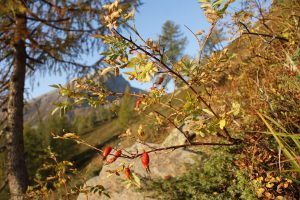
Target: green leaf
x,y
222,123
55,86
201,133
290,154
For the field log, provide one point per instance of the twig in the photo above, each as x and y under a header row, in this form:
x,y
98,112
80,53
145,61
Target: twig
x,y
226,133
265,35
4,183
198,40
157,60
206,39
133,156
1,133
2,148
181,131
279,158
184,145
261,34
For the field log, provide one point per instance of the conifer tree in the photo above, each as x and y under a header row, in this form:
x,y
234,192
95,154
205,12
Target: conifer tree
x,y
48,35
172,41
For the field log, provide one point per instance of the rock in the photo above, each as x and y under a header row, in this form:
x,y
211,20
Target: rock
x,y
174,138
164,164
177,138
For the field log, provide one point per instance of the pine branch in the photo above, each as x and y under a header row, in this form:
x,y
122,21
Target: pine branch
x,y
4,86
34,60
6,56
35,18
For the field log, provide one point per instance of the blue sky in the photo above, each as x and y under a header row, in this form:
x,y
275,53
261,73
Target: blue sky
x,y
149,20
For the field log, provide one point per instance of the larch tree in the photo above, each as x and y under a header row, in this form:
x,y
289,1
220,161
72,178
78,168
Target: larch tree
x,y
172,41
35,35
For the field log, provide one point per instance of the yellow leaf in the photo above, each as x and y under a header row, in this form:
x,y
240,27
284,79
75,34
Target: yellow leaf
x,y
208,112
260,192
140,130
211,15
70,136
97,36
222,123
205,6
106,70
200,32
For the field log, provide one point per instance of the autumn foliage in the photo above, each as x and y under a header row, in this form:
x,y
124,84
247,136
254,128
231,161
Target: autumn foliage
x,y
243,99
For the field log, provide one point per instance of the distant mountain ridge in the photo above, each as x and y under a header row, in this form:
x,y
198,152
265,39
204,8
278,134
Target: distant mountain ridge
x,y
41,107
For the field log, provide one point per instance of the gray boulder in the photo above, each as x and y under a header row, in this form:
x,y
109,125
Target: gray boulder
x,y
163,164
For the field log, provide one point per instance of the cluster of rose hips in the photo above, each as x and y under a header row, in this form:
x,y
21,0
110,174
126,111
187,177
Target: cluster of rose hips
x,y
144,159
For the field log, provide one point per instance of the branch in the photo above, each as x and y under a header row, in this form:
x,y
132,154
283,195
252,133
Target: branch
x,y
2,148
52,56
3,109
35,18
225,131
46,22
182,146
4,86
199,41
133,156
30,67
181,131
261,34
1,133
206,39
262,15
6,56
34,60
2,186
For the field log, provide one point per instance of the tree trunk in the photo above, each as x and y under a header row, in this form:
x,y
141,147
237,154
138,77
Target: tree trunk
x,y
16,168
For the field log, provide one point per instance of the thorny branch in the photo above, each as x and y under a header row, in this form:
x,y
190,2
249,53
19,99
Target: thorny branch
x,y
206,39
133,156
261,34
162,63
179,129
